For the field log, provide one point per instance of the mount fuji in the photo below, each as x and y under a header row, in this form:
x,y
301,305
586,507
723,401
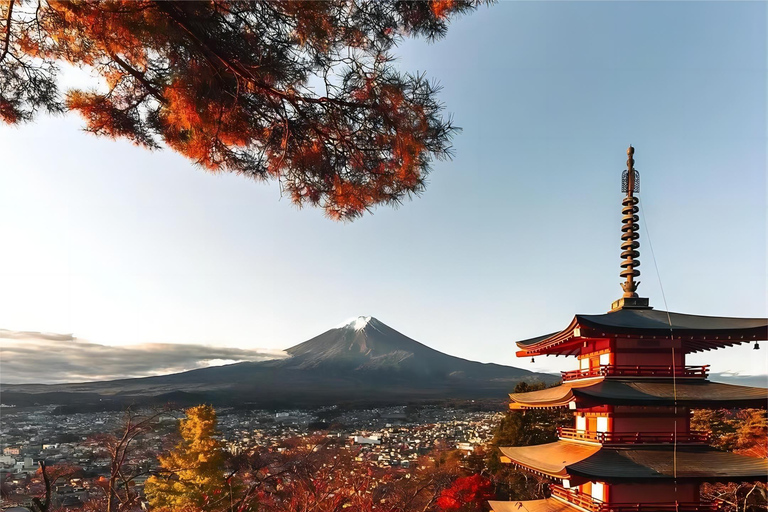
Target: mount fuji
x,y
362,361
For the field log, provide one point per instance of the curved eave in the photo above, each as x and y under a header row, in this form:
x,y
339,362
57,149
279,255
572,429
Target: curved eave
x,y
692,346
534,470
692,340
551,459
701,394
658,322
565,459
516,405
600,391
696,332
558,396
686,463
548,343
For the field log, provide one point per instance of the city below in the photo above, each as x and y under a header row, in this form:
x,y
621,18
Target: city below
x,y
391,437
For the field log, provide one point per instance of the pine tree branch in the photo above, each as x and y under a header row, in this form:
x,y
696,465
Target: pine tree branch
x,y
239,70
8,21
140,77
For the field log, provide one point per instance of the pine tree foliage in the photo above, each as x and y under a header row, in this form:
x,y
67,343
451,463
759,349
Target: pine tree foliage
x,y
303,92
192,474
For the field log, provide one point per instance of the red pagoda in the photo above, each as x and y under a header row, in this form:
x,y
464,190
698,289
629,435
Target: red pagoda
x,y
632,448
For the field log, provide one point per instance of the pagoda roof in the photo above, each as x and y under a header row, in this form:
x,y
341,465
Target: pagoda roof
x,y
616,464
699,393
545,505
660,462
697,333
550,459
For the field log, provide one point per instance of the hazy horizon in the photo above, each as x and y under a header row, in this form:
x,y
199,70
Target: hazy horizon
x,y
68,359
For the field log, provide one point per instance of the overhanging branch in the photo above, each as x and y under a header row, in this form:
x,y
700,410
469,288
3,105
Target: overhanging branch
x,y
238,69
8,20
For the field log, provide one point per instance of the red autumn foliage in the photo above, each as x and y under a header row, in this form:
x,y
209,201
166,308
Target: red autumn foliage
x,y
442,8
466,493
303,92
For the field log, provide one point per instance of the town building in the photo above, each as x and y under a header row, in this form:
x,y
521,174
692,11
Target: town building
x,y
632,447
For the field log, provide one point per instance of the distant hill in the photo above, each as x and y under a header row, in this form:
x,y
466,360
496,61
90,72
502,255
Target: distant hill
x,y
760,381
363,361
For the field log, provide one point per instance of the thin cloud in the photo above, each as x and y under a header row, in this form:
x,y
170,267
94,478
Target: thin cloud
x,y
32,335
45,358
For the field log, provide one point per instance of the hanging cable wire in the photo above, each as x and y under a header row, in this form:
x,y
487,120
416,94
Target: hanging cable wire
x,y
672,340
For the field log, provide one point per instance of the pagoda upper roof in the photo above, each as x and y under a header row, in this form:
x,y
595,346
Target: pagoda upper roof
x,y
697,332
599,391
616,464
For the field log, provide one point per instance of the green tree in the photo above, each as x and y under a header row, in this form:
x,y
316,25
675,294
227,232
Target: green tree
x,y
192,474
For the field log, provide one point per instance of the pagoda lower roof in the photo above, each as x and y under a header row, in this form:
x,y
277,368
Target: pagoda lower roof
x,y
661,462
550,459
697,333
568,459
602,391
545,505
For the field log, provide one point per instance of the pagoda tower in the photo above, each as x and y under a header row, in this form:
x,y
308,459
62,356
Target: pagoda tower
x,y
631,447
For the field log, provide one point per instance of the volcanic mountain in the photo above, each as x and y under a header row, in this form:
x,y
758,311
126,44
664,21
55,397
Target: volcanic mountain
x,y
362,361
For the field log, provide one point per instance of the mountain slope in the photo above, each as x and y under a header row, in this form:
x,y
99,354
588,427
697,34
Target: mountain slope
x,y
363,360
366,344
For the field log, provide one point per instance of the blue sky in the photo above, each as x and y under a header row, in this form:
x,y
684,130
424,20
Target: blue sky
x,y
519,232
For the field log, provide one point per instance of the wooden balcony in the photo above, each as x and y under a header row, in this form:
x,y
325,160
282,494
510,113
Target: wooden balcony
x,y
692,437
587,502
577,498
611,370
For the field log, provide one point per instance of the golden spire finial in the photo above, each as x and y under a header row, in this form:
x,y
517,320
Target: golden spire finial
x,y
630,183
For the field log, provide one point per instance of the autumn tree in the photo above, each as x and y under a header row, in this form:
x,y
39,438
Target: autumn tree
x,y
322,474
468,493
302,92
421,487
307,473
743,431
50,475
192,474
128,454
317,474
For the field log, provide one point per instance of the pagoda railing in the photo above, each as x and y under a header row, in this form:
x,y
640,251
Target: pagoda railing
x,y
587,502
612,370
577,498
694,436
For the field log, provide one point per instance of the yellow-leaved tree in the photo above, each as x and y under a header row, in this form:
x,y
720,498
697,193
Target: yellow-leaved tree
x,y
192,474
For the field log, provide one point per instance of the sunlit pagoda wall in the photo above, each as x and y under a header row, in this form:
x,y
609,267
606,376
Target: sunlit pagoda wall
x,y
624,418
631,352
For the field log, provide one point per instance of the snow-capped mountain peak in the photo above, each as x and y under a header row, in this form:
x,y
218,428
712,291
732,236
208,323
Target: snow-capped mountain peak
x,y
356,323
